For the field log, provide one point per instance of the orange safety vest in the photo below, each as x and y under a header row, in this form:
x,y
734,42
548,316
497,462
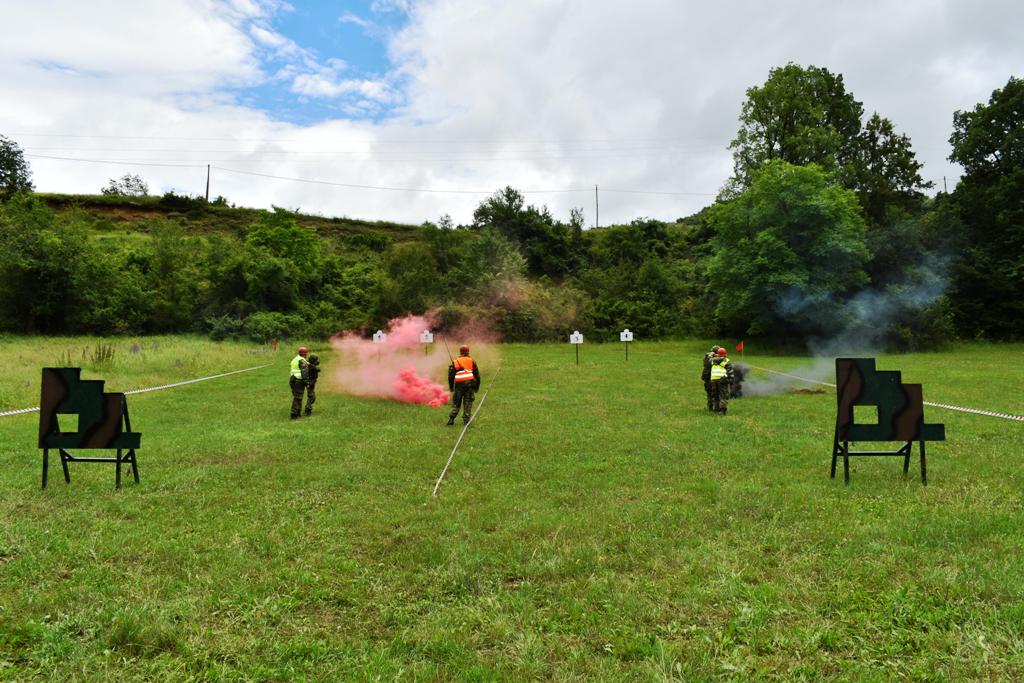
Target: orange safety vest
x,y
463,369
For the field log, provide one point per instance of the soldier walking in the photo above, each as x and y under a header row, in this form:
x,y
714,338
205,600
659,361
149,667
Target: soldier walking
x,y
313,373
463,382
297,380
721,382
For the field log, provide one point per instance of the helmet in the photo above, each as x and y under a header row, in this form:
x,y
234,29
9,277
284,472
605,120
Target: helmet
x,y
303,350
720,352
463,349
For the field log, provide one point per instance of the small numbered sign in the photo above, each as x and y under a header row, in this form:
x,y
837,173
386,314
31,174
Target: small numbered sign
x,y
426,337
576,338
626,335
379,337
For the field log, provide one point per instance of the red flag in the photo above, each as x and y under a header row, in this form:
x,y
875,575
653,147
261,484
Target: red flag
x,y
739,347
275,343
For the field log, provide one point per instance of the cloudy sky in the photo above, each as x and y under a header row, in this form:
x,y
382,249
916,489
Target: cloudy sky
x,y
444,101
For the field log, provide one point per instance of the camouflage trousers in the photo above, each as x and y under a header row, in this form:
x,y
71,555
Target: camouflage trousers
x,y
719,396
707,390
298,386
463,395
310,397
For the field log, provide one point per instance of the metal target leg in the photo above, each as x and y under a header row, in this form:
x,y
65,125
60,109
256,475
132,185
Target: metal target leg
x,y
64,464
46,464
135,465
846,462
117,482
924,469
906,457
835,456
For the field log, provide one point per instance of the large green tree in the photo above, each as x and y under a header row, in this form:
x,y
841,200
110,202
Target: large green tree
x,y
988,142
787,252
801,115
885,172
15,174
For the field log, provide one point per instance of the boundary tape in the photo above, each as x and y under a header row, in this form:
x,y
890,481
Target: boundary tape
x,y
472,417
974,411
23,411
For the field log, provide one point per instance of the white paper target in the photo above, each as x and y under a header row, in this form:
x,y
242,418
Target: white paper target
x,y
379,337
576,338
426,337
626,335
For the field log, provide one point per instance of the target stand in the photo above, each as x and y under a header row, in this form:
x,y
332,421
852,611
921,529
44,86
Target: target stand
x,y
103,422
900,415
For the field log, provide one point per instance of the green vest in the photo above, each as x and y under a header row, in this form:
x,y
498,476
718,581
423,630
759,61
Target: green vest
x,y
297,366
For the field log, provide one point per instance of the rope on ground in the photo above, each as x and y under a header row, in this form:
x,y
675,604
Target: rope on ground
x,y
472,417
974,411
23,411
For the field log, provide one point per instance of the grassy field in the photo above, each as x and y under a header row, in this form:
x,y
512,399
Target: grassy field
x,y
596,524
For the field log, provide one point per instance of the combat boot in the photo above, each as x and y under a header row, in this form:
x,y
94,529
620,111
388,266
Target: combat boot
x,y
451,421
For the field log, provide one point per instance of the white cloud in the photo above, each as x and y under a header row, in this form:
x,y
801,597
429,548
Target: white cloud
x,y
350,18
536,94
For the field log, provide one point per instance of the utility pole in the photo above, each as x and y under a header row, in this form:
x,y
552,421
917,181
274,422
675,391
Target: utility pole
x,y
597,210
944,190
207,183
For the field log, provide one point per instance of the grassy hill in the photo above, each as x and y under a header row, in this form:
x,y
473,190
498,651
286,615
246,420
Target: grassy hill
x,y
123,214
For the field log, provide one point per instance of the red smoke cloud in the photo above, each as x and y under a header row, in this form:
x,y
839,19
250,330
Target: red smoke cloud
x,y
411,388
399,368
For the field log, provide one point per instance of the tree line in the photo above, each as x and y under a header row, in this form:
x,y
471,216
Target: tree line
x,y
824,229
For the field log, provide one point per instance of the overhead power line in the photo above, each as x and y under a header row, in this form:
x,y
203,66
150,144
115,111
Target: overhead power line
x,y
331,183
114,161
378,187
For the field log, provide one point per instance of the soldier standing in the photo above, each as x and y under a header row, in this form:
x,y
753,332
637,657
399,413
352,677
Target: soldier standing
x,y
297,380
463,382
721,382
705,374
313,372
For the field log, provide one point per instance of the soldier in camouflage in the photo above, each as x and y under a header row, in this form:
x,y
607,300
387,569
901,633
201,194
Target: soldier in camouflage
x,y
705,374
721,382
312,373
463,382
297,380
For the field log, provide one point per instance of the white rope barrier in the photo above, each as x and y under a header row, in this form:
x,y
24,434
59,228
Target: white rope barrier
x,y
974,411
23,411
472,417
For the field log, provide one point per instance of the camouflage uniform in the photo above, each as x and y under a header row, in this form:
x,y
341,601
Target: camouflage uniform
x,y
463,393
705,374
313,372
298,386
721,388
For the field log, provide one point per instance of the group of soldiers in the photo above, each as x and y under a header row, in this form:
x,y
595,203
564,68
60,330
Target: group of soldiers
x,y
463,383
722,379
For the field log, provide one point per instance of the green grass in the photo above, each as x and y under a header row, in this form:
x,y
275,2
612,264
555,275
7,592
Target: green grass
x,y
596,524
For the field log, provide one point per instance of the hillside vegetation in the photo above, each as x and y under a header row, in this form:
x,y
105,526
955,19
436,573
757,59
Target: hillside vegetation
x,y
824,232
